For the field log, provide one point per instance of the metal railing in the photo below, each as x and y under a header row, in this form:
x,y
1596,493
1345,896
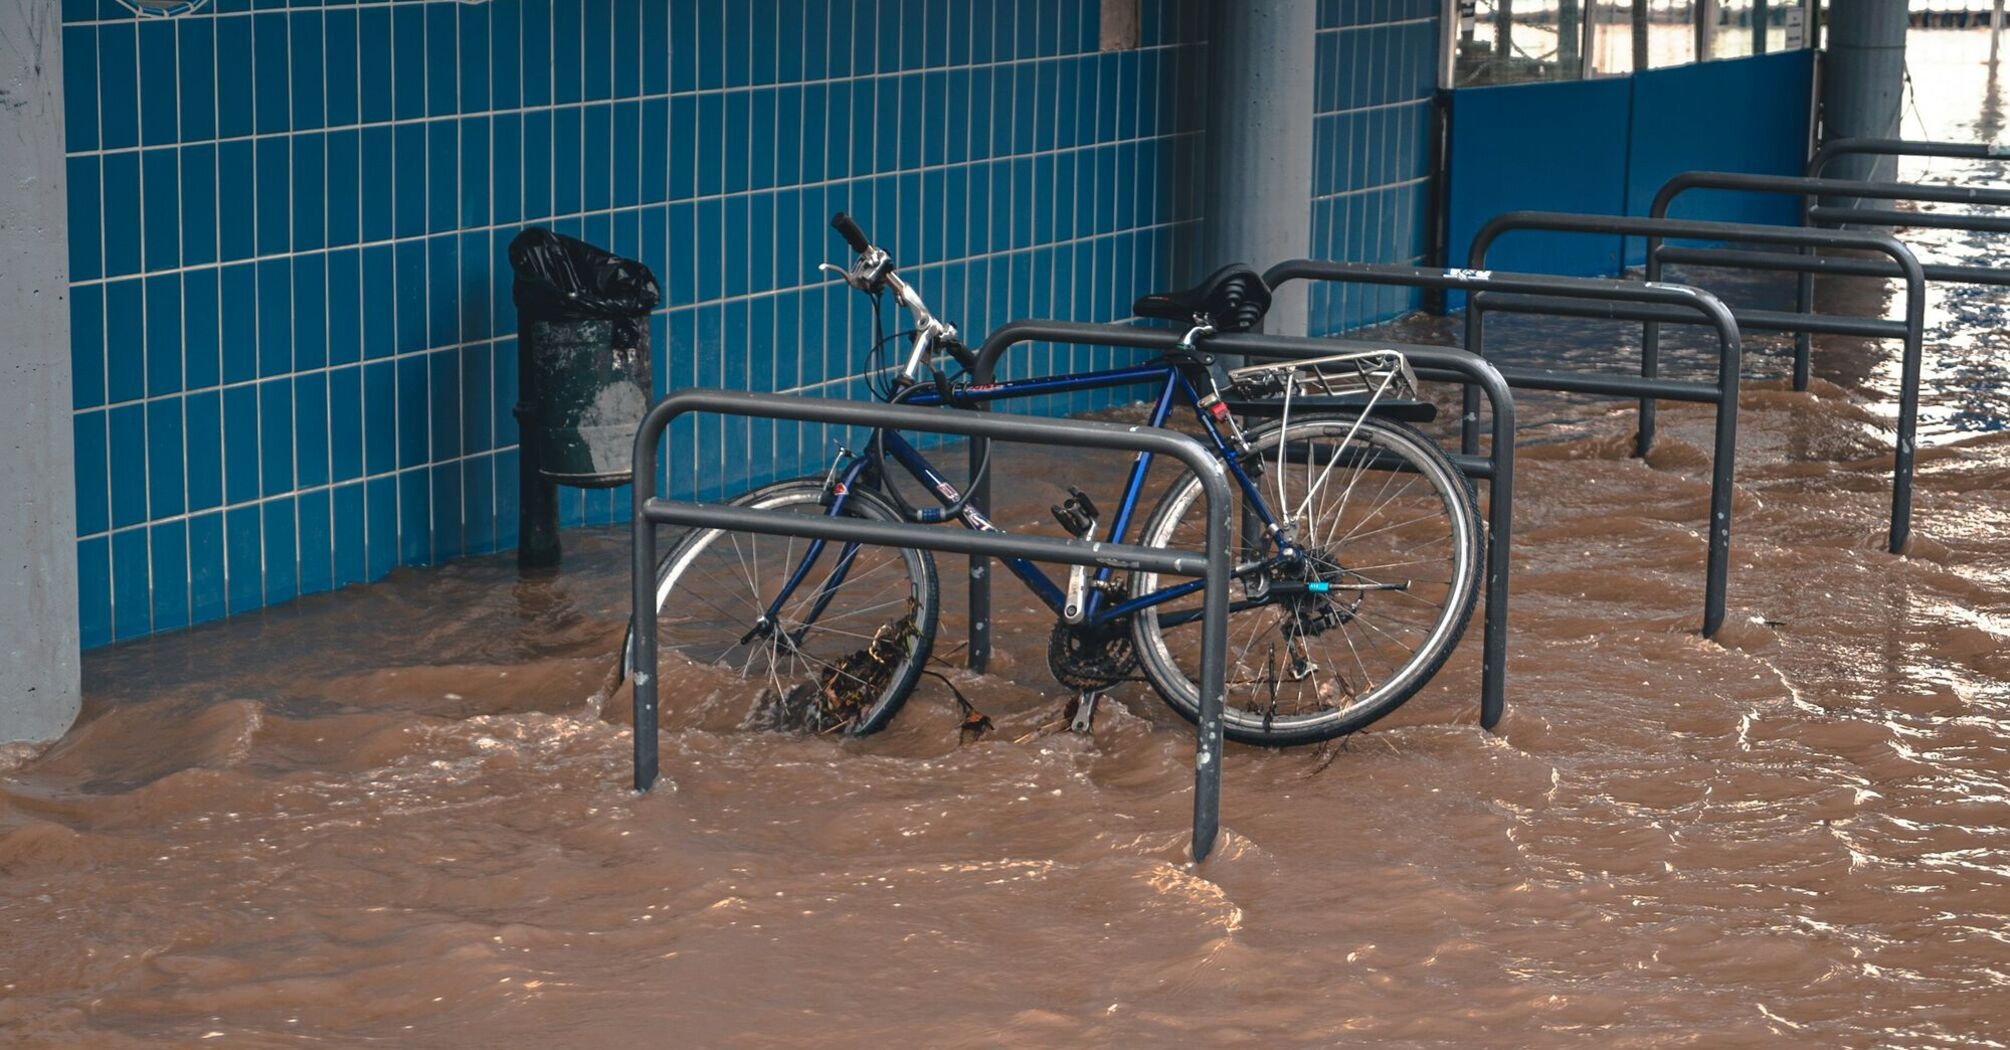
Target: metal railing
x,y
1212,564
1498,291
1436,363
1655,230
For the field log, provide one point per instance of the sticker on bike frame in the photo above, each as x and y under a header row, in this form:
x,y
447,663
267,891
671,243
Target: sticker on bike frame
x,y
1469,275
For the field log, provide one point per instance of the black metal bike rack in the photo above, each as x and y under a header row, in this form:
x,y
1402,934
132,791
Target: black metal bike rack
x,y
1810,189
1834,148
1492,291
1436,363
1655,230
1212,565
1815,214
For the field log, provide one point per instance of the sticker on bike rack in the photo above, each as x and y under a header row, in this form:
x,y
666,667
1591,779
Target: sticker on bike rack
x,y
1997,149
1469,275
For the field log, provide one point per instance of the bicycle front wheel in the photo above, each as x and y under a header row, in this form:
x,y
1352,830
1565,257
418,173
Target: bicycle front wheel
x,y
1392,545
847,642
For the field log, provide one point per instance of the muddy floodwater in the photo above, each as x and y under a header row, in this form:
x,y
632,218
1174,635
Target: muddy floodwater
x,y
399,814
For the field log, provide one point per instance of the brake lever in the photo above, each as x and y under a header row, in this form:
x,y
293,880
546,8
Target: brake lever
x,y
842,274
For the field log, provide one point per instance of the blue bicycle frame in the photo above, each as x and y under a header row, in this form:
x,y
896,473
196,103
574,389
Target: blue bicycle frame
x,y
1172,382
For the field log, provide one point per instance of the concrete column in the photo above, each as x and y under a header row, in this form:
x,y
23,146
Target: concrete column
x,y
39,687
1261,56
1863,81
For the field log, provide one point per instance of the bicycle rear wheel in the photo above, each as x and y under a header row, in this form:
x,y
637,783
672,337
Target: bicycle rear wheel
x,y
852,637
1393,548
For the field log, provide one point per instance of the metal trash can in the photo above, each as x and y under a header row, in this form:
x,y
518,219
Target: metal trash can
x,y
583,373
584,389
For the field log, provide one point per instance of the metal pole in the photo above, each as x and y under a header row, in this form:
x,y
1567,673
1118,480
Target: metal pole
x,y
1705,13
1588,47
537,545
642,598
1760,17
1569,40
1504,27
1213,683
1639,36
1995,31
1650,362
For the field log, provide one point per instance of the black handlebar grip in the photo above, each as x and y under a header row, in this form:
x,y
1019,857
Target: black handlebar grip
x,y
851,233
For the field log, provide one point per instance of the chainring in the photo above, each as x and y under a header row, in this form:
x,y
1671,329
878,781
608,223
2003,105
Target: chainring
x,y
1092,658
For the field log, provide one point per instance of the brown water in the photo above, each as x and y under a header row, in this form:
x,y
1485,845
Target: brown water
x,y
396,815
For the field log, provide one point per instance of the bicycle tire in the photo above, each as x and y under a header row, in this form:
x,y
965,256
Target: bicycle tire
x,y
1450,490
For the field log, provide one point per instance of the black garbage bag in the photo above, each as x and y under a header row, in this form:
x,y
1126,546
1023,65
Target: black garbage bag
x,y
562,279
583,360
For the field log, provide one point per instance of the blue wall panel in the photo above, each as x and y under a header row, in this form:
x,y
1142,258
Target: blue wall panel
x,y
1606,146
1539,147
1746,114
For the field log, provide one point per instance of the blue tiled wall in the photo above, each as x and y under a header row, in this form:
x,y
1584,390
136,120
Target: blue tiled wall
x,y
1372,156
294,347
293,340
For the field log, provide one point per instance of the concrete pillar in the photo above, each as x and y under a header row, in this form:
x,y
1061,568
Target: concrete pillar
x,y
1863,81
39,687
1261,58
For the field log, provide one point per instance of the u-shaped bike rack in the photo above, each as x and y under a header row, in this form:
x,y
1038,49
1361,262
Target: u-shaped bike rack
x,y
1657,229
1507,291
1429,362
1212,564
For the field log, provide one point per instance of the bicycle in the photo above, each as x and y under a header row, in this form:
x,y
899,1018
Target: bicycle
x,y
1330,630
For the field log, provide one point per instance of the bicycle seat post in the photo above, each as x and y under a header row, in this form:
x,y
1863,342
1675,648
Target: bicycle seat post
x,y
1202,328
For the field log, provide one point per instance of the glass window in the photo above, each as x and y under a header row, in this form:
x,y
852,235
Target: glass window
x,y
1518,41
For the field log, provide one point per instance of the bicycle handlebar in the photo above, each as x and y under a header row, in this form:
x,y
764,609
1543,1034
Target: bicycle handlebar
x,y
851,233
873,271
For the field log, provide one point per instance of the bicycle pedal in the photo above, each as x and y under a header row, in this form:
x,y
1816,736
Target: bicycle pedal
x,y
1083,503
1077,524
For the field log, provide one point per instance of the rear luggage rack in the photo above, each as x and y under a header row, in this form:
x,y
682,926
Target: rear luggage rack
x,y
1363,377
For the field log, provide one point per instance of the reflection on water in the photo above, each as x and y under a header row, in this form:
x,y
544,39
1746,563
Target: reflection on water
x,y
396,815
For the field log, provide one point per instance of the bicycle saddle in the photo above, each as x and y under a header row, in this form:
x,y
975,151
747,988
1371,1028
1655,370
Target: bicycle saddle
x,y
1233,298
